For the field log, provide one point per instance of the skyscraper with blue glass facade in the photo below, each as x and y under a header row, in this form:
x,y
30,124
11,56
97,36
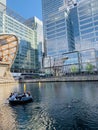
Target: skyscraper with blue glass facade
x,y
88,23
84,18
58,32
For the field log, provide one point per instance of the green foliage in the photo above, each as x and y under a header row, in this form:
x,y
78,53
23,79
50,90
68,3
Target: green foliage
x,y
89,67
74,69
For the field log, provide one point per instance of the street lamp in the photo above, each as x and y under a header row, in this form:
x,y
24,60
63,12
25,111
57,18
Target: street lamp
x,y
50,63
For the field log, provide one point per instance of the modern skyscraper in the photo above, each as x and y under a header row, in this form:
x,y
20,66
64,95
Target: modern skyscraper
x,y
88,23
37,26
58,32
26,59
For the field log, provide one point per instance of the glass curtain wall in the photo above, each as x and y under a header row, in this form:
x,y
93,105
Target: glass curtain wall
x,y
27,56
57,27
1,22
88,23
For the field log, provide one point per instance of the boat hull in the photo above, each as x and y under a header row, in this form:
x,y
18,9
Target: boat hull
x,y
20,102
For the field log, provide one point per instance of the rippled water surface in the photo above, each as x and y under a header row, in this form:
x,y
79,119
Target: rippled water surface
x,y
56,106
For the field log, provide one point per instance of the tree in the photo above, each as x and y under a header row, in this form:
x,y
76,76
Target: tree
x,y
74,69
89,67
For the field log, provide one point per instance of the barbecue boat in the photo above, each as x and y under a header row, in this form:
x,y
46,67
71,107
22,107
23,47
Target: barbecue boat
x,y
16,99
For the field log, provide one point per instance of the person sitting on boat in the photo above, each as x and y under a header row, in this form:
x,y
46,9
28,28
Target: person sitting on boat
x,y
16,94
28,93
24,95
12,97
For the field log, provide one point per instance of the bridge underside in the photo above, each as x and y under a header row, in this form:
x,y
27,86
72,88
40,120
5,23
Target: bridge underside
x,y
8,50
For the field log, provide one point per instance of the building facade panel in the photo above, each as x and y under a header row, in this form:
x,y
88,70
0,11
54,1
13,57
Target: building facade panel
x,y
3,2
37,26
58,32
88,22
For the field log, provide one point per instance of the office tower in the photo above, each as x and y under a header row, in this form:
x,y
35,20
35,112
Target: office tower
x,y
58,31
88,32
37,26
58,34
88,23
26,59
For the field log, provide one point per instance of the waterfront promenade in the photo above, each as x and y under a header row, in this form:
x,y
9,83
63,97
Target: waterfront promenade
x,y
67,78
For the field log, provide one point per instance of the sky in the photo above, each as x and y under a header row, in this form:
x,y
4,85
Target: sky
x,y
26,8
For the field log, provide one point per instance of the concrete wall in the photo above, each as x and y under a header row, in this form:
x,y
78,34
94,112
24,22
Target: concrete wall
x,y
65,79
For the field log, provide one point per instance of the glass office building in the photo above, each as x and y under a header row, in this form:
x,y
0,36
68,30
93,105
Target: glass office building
x,y
27,56
80,60
84,17
58,31
88,23
37,25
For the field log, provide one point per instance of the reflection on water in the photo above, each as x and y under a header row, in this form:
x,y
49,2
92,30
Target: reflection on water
x,y
56,106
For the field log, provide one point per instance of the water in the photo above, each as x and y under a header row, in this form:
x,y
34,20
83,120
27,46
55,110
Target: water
x,y
56,106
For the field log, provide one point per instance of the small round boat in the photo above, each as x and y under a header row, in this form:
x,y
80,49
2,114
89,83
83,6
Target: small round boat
x,y
20,99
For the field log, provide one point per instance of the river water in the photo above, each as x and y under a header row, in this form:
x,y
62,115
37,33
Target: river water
x,y
56,106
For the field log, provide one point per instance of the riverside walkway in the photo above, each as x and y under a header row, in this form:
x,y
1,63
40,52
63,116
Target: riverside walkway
x,y
69,78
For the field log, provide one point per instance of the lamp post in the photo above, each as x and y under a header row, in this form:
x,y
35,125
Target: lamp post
x,y
80,61
50,63
54,67
23,69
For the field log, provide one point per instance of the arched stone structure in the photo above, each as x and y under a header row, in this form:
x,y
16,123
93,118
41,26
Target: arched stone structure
x,y
8,50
